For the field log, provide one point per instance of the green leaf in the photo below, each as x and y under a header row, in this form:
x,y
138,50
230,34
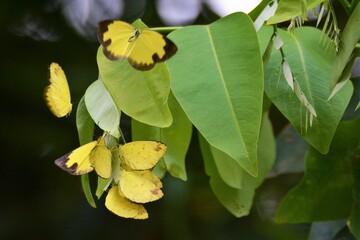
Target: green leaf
x,y
142,95
85,126
84,123
325,192
217,78
349,38
268,51
255,13
87,190
346,73
177,138
354,221
289,9
102,185
160,169
311,66
239,200
102,108
228,169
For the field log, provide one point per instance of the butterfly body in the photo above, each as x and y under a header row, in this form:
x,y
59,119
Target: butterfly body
x,y
142,47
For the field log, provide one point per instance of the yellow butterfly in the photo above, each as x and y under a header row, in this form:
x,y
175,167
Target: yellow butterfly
x,y
142,155
87,157
117,203
140,186
137,182
57,94
142,47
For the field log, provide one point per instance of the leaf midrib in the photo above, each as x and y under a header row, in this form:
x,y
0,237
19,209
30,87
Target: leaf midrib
x,y
226,90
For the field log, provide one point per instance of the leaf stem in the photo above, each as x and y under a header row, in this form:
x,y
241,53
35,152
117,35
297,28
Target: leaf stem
x,y
164,29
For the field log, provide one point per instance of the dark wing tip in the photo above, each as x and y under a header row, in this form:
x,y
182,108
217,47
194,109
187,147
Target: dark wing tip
x,y
61,163
101,29
170,48
141,66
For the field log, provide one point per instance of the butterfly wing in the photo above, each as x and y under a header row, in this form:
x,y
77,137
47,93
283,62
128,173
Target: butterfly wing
x,y
150,48
77,162
100,159
142,155
114,36
122,207
140,186
57,94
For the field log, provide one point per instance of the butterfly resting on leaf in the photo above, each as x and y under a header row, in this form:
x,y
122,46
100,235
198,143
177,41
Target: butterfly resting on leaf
x,y
143,48
136,184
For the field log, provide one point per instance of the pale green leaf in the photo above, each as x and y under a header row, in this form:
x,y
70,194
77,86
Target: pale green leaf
x,y
142,95
217,77
102,108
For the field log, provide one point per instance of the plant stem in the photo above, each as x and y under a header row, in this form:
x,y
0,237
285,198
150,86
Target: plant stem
x,y
164,29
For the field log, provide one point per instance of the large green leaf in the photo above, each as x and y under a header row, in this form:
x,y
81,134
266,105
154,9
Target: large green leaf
x,y
239,200
349,38
217,78
140,94
325,192
311,66
102,108
177,138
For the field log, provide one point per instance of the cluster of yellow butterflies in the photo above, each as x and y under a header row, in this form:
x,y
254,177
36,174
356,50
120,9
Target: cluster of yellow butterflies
x,y
133,183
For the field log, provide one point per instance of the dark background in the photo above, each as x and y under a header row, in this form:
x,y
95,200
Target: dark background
x,y
39,200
